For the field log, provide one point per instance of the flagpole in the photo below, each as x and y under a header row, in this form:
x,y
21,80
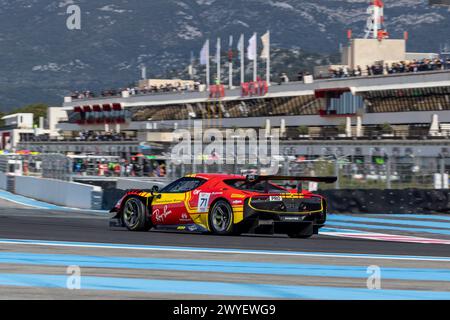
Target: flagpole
x,y
230,74
242,59
230,62
208,78
255,61
268,63
218,59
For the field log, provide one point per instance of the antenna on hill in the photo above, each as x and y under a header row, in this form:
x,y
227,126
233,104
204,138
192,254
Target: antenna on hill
x,y
375,23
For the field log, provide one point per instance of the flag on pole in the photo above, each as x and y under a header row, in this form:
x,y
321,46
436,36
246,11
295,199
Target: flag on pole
x,y
230,50
204,60
251,50
265,54
218,62
218,49
241,50
240,46
204,54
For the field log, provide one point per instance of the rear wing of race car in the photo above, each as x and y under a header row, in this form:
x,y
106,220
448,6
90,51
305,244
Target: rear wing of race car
x,y
254,178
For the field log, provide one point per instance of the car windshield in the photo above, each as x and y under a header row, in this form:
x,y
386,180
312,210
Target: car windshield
x,y
258,186
183,185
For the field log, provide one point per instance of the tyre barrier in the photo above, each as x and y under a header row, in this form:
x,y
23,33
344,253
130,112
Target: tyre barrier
x,y
408,201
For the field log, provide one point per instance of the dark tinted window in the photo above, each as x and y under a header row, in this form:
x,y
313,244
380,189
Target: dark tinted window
x,y
183,185
259,186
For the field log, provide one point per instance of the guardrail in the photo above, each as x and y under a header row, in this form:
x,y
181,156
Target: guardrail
x,y
62,193
143,183
3,181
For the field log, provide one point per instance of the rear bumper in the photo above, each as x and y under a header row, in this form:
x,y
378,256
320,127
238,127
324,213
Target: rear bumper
x,y
261,222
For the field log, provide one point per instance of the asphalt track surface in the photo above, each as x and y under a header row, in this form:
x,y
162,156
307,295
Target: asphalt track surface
x,y
161,265
85,227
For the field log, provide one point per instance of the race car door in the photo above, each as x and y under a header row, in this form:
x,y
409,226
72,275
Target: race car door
x,y
170,206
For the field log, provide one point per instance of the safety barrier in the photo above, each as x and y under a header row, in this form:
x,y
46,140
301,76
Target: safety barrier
x,y
412,201
140,183
68,194
407,201
3,181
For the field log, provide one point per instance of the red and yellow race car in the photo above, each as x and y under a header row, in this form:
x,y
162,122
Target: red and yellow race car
x,y
225,205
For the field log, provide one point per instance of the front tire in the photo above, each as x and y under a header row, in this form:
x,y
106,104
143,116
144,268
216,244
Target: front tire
x,y
221,218
135,215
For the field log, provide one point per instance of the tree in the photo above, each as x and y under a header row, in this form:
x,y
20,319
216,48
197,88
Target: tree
x,y
37,109
303,130
386,128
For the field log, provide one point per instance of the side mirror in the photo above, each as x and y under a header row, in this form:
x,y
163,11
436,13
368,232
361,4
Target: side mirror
x,y
155,189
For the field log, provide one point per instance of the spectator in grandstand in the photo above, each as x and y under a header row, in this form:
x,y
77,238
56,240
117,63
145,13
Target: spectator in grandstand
x,y
117,169
393,68
128,169
160,171
283,78
147,169
345,72
123,169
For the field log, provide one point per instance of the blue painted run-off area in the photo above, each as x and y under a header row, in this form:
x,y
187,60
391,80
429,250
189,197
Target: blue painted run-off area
x,y
288,269
218,288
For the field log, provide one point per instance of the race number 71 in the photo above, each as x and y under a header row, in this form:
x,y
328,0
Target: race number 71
x,y
203,201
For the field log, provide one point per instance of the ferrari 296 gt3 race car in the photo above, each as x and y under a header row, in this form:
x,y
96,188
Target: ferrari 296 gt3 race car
x,y
225,205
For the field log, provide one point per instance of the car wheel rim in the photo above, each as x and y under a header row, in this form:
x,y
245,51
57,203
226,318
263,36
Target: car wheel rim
x,y
131,212
221,217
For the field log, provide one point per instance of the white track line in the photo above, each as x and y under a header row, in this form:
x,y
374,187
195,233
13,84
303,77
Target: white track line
x,y
217,250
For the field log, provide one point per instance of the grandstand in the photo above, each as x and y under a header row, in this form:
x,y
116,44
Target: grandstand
x,y
408,99
366,111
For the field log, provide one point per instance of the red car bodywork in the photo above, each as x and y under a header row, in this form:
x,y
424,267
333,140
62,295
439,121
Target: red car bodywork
x,y
258,206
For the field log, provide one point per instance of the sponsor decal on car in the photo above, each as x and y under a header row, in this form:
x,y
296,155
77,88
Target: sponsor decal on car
x,y
203,202
161,217
185,218
276,198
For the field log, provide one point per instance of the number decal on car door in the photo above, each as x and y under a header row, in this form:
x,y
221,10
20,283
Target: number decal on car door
x,y
203,201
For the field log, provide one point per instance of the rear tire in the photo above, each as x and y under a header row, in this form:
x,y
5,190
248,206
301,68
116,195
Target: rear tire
x,y
135,215
221,218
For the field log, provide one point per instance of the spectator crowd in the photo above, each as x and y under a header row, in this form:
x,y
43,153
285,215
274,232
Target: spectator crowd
x,y
393,68
96,136
163,88
122,168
